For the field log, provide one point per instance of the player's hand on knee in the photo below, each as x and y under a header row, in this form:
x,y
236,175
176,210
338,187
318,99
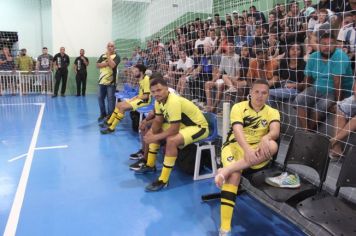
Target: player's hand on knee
x,y
251,156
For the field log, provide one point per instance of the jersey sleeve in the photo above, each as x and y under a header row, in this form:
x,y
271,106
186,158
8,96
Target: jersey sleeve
x,y
236,115
274,116
157,110
76,61
146,86
101,59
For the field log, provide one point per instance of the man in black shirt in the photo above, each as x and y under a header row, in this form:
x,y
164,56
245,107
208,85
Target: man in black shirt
x,y
61,62
80,69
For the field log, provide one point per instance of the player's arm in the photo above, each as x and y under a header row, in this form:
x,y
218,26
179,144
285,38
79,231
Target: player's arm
x,y
250,154
101,62
273,134
111,62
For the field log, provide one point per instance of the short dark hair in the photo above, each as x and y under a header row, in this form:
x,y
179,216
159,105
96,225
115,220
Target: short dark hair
x,y
44,48
157,78
141,68
260,81
326,35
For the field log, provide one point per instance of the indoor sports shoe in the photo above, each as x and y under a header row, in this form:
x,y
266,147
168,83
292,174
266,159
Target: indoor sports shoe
x,y
156,186
100,118
137,165
284,180
145,169
137,155
104,125
224,233
107,131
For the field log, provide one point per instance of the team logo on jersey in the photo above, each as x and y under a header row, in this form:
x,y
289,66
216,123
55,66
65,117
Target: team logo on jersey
x,y
264,123
230,158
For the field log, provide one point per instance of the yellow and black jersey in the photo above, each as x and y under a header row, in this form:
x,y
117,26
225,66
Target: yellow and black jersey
x,y
145,88
179,109
107,74
255,124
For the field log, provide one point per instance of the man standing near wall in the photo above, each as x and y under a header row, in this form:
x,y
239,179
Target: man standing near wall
x,y
107,64
61,62
80,69
44,64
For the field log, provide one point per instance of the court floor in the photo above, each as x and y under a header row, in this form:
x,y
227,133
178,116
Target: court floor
x,y
60,176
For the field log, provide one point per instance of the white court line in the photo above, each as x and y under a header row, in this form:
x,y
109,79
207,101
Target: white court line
x,y
38,148
21,104
14,216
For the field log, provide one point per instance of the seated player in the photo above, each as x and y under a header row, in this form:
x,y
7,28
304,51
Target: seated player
x,y
187,125
250,144
142,99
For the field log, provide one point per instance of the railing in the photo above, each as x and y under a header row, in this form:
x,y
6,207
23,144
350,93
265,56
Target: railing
x,y
24,82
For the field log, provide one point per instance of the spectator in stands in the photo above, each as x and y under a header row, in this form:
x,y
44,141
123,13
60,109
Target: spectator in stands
x,y
322,20
251,143
328,73
80,68
218,21
185,66
6,64
347,35
289,76
259,16
229,29
345,123
295,24
107,64
44,64
311,20
207,68
222,43
244,14
244,62
307,4
242,39
24,62
212,39
228,73
201,40
250,25
258,38
262,67
275,49
272,23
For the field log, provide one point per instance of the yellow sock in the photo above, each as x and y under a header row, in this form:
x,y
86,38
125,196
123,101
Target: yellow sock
x,y
113,116
118,118
152,154
168,164
228,198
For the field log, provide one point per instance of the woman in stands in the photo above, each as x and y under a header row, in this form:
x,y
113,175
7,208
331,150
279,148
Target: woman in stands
x,y
289,76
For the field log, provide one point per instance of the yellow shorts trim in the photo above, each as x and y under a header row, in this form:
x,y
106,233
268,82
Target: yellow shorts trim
x,y
192,134
233,152
137,103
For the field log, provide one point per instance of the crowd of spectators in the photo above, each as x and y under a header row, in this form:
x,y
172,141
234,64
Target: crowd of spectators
x,y
306,53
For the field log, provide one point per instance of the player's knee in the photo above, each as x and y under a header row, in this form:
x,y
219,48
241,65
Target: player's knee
x,y
234,178
172,142
273,147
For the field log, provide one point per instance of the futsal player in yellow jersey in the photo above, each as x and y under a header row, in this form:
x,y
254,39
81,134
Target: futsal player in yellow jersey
x,y
251,143
142,99
187,125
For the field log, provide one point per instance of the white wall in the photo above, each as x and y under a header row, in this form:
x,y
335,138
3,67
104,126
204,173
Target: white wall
x,y
24,17
80,24
161,12
140,19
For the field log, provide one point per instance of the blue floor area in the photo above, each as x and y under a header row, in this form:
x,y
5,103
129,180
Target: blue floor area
x,y
86,188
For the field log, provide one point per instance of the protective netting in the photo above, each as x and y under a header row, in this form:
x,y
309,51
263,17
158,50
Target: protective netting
x,y
212,51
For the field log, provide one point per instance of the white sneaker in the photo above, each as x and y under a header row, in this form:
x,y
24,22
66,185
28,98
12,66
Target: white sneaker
x,y
231,90
284,180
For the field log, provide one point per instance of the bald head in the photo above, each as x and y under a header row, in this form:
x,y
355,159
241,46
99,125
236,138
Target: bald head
x,y
111,47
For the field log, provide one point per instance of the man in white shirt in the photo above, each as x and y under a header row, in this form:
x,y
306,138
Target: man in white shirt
x,y
185,66
201,40
212,39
